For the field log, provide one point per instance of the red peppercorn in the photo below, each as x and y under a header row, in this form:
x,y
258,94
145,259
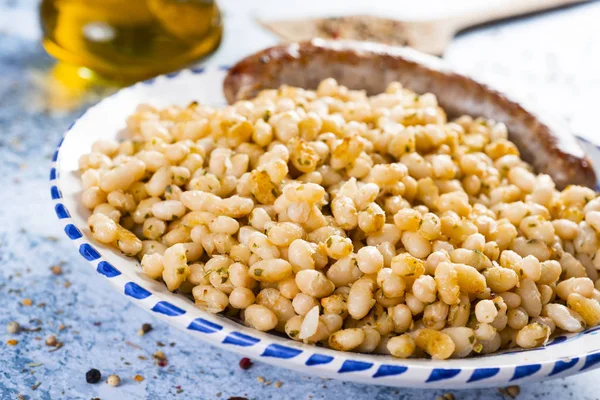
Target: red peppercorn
x,y
162,363
246,363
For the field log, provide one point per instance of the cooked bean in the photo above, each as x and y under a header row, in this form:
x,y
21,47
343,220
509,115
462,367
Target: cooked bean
x,y
402,346
360,299
437,344
563,317
581,286
446,278
260,317
209,298
588,309
464,340
531,299
346,339
272,270
314,283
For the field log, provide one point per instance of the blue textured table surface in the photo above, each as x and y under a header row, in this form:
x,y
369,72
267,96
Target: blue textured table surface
x,y
551,58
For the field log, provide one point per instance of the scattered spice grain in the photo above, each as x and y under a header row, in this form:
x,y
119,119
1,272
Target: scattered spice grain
x,y
246,363
56,269
135,346
13,327
511,391
446,396
113,380
144,329
51,341
93,376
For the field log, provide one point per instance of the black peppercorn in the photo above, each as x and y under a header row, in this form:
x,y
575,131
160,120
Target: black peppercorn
x,y
93,376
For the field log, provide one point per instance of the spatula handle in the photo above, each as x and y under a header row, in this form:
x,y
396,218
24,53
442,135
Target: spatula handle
x,y
497,10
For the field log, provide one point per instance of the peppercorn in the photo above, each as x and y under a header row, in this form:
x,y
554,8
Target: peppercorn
x,y
93,376
144,329
56,269
51,341
113,380
513,391
246,363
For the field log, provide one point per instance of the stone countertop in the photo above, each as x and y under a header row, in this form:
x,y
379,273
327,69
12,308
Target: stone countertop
x,y
551,59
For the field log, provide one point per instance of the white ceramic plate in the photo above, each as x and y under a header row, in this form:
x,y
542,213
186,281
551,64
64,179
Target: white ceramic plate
x,y
564,355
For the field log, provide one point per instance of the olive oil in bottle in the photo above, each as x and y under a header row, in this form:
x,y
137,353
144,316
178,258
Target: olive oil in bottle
x,y
130,40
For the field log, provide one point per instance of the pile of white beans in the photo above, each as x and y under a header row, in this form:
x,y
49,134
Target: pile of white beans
x,y
367,224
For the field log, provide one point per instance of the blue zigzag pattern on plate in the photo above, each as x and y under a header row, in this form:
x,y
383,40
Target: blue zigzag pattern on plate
x,y
591,360
483,373
523,371
561,366
55,193
240,339
204,326
166,308
354,366
61,211
72,232
88,252
107,269
318,359
390,370
279,351
440,374
136,291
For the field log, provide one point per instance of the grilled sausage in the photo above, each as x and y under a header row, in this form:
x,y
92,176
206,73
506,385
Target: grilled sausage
x,y
371,67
